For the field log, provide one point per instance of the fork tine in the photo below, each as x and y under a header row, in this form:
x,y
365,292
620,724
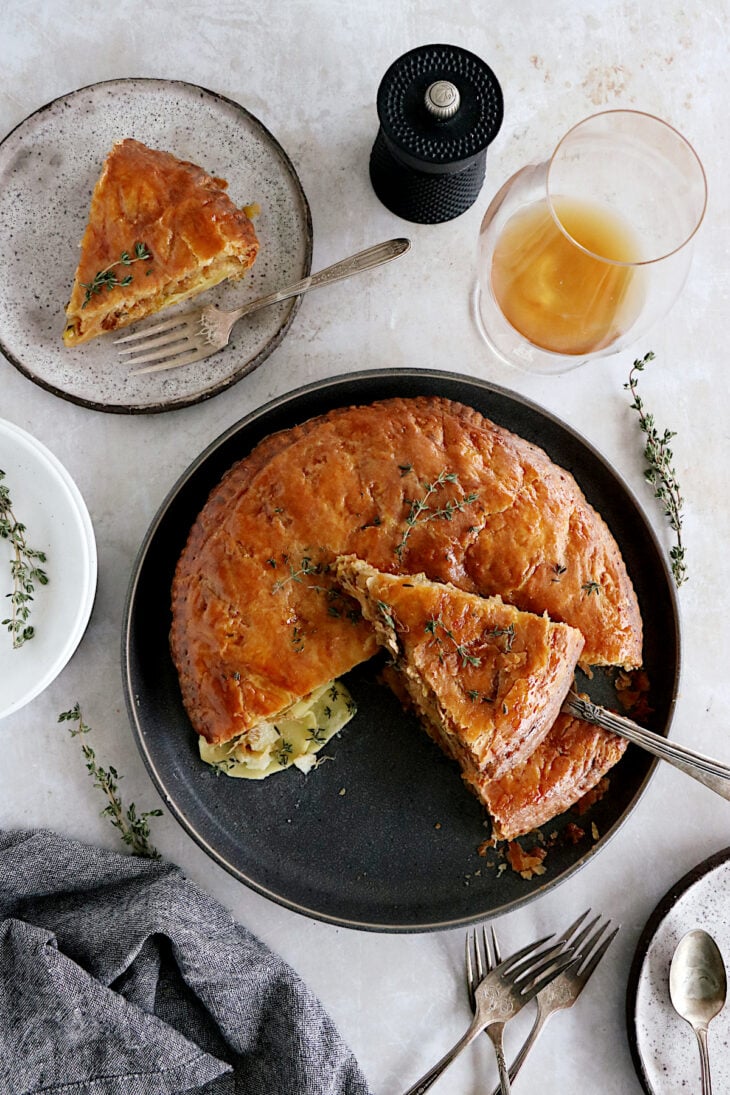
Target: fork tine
x,y
166,325
553,971
565,937
509,963
480,962
495,946
555,950
168,338
171,347
581,936
585,972
175,362
491,961
546,961
470,982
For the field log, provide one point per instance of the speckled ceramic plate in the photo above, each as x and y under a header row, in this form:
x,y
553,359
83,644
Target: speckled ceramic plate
x,y
47,501
385,836
663,1046
49,165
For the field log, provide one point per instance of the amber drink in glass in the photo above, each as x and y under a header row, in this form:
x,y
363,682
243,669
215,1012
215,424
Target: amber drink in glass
x,y
578,256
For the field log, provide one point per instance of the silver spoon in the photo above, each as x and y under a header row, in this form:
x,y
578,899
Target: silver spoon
x,y
698,988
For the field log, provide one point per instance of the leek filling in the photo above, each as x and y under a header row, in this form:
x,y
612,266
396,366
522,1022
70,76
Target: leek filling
x,y
294,739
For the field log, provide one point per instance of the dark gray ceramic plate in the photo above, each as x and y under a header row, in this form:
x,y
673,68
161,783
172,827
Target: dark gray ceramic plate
x,y
384,837
49,165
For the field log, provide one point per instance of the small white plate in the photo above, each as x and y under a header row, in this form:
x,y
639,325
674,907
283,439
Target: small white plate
x,y
664,1046
46,500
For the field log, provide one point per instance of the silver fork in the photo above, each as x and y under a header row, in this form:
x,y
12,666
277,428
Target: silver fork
x,y
712,773
501,993
195,335
474,974
589,947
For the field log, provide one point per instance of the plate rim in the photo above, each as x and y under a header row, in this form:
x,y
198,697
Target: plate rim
x,y
343,381
652,926
88,540
162,406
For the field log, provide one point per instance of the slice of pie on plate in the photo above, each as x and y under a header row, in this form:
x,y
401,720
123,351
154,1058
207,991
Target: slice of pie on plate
x,y
160,230
486,679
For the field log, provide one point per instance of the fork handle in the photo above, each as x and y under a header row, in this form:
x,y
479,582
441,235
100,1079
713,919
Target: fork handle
x,y
496,1033
527,1045
430,1077
345,268
712,773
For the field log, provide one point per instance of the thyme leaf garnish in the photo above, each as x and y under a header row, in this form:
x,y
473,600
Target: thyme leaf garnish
x,y
660,472
420,511
386,613
435,624
507,633
24,570
106,278
133,827
375,523
338,606
474,694
306,569
590,588
284,754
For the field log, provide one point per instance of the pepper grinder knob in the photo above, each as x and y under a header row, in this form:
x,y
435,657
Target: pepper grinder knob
x,y
442,99
439,108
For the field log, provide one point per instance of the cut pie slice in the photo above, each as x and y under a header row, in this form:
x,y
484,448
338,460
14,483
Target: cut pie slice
x,y
160,230
567,764
486,679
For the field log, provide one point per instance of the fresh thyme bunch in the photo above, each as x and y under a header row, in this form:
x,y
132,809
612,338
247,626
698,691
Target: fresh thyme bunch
x,y
133,827
24,569
660,472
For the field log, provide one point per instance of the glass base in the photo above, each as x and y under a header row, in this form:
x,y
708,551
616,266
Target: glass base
x,y
513,349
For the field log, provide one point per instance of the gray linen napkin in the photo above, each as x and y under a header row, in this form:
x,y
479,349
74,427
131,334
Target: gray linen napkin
x,y
118,976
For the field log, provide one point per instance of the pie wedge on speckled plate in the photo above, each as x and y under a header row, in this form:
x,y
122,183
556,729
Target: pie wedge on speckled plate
x,y
160,230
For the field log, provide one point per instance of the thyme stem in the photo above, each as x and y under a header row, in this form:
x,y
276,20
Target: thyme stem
x,y
23,568
660,472
133,827
107,278
431,627
420,510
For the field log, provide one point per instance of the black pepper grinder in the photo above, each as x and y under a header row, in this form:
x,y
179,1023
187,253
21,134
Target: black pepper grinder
x,y
439,108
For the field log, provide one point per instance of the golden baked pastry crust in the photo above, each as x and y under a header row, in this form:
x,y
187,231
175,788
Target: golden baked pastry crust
x,y
183,219
486,679
258,620
568,763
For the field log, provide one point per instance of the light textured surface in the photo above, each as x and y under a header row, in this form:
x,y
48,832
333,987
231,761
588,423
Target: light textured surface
x,y
310,72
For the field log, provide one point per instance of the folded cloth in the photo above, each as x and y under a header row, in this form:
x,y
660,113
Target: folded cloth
x,y
118,976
